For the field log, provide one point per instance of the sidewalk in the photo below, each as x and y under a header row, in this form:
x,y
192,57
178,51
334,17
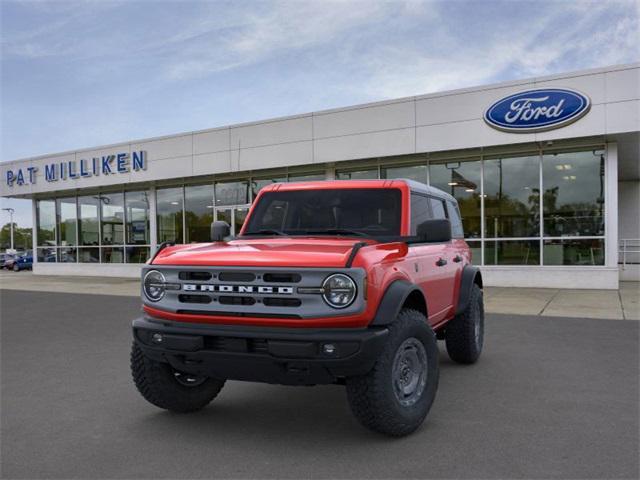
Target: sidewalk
x,y
623,304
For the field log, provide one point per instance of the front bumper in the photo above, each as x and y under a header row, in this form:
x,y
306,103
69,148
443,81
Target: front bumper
x,y
260,354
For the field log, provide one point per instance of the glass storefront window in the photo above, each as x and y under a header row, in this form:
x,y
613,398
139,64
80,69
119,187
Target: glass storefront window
x,y
462,181
476,251
239,216
169,208
137,254
574,252
412,172
112,254
88,220
258,184
46,218
137,218
67,255
198,212
67,221
307,177
368,174
232,193
512,197
573,198
112,217
47,254
512,252
89,255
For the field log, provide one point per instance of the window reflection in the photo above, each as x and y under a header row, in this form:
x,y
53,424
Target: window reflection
x,y
574,252
198,212
137,218
112,206
573,198
67,212
89,255
462,181
258,184
169,209
88,220
232,193
137,254
46,219
412,172
512,197
307,177
512,252
368,174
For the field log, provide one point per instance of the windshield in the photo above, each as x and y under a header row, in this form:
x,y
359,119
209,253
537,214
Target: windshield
x,y
357,212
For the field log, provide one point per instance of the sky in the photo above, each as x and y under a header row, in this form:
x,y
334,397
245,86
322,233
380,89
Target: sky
x,y
87,73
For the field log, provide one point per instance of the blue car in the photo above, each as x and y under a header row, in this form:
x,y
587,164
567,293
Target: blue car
x,y
23,262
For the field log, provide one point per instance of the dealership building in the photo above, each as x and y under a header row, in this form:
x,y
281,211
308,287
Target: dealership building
x,y
546,172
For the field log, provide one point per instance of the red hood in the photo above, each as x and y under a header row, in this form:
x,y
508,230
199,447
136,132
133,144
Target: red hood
x,y
272,252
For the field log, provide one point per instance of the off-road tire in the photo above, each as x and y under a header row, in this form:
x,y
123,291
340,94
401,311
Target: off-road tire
x,y
157,384
464,335
372,398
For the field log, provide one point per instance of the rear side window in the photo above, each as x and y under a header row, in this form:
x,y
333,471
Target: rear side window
x,y
420,211
456,222
438,208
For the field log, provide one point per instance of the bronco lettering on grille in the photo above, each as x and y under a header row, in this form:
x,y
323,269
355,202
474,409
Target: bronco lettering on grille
x,y
192,287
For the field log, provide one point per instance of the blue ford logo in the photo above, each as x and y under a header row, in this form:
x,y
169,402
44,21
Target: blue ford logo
x,y
537,110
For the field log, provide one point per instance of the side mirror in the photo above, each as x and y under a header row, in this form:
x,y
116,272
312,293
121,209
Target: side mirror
x,y
220,230
435,231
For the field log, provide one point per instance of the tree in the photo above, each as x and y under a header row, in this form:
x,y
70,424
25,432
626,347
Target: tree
x,y
21,237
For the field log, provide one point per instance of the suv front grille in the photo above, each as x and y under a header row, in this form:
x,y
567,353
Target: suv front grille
x,y
252,292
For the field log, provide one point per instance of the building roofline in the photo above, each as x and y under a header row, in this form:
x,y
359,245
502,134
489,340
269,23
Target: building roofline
x,y
445,93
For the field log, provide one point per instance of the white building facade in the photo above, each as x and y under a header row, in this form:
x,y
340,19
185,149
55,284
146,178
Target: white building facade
x,y
546,172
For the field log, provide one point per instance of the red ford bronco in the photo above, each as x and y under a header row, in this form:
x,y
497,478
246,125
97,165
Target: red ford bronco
x,y
347,282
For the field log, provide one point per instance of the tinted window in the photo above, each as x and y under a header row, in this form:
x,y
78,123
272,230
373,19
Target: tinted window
x,y
437,208
456,222
462,181
573,197
512,197
419,211
373,212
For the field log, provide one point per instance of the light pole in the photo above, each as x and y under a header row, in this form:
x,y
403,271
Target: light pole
x,y
11,212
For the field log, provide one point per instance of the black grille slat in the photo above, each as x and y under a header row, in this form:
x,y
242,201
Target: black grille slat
x,y
282,277
195,276
229,300
282,302
185,298
237,276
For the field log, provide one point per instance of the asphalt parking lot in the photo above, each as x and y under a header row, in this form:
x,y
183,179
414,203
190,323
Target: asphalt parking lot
x,y
550,398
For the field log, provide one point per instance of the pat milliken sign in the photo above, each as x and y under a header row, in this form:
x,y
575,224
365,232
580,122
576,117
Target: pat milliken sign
x,y
537,110
105,165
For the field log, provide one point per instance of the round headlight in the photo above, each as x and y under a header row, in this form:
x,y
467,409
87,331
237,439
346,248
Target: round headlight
x,y
153,285
339,290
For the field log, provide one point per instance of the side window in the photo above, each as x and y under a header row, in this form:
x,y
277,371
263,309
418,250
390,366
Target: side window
x,y
419,211
456,222
437,207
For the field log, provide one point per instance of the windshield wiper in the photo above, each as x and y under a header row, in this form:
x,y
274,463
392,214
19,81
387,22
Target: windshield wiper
x,y
336,231
266,231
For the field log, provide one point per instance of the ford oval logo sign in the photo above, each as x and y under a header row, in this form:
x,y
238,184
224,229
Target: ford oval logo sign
x,y
537,110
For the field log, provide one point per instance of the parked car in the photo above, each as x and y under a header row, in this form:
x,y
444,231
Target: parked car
x,y
7,260
23,262
343,282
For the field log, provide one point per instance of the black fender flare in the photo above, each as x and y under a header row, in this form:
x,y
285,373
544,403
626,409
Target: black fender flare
x,y
392,301
470,276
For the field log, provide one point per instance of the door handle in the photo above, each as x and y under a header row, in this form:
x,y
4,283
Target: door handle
x,y
441,262
457,259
